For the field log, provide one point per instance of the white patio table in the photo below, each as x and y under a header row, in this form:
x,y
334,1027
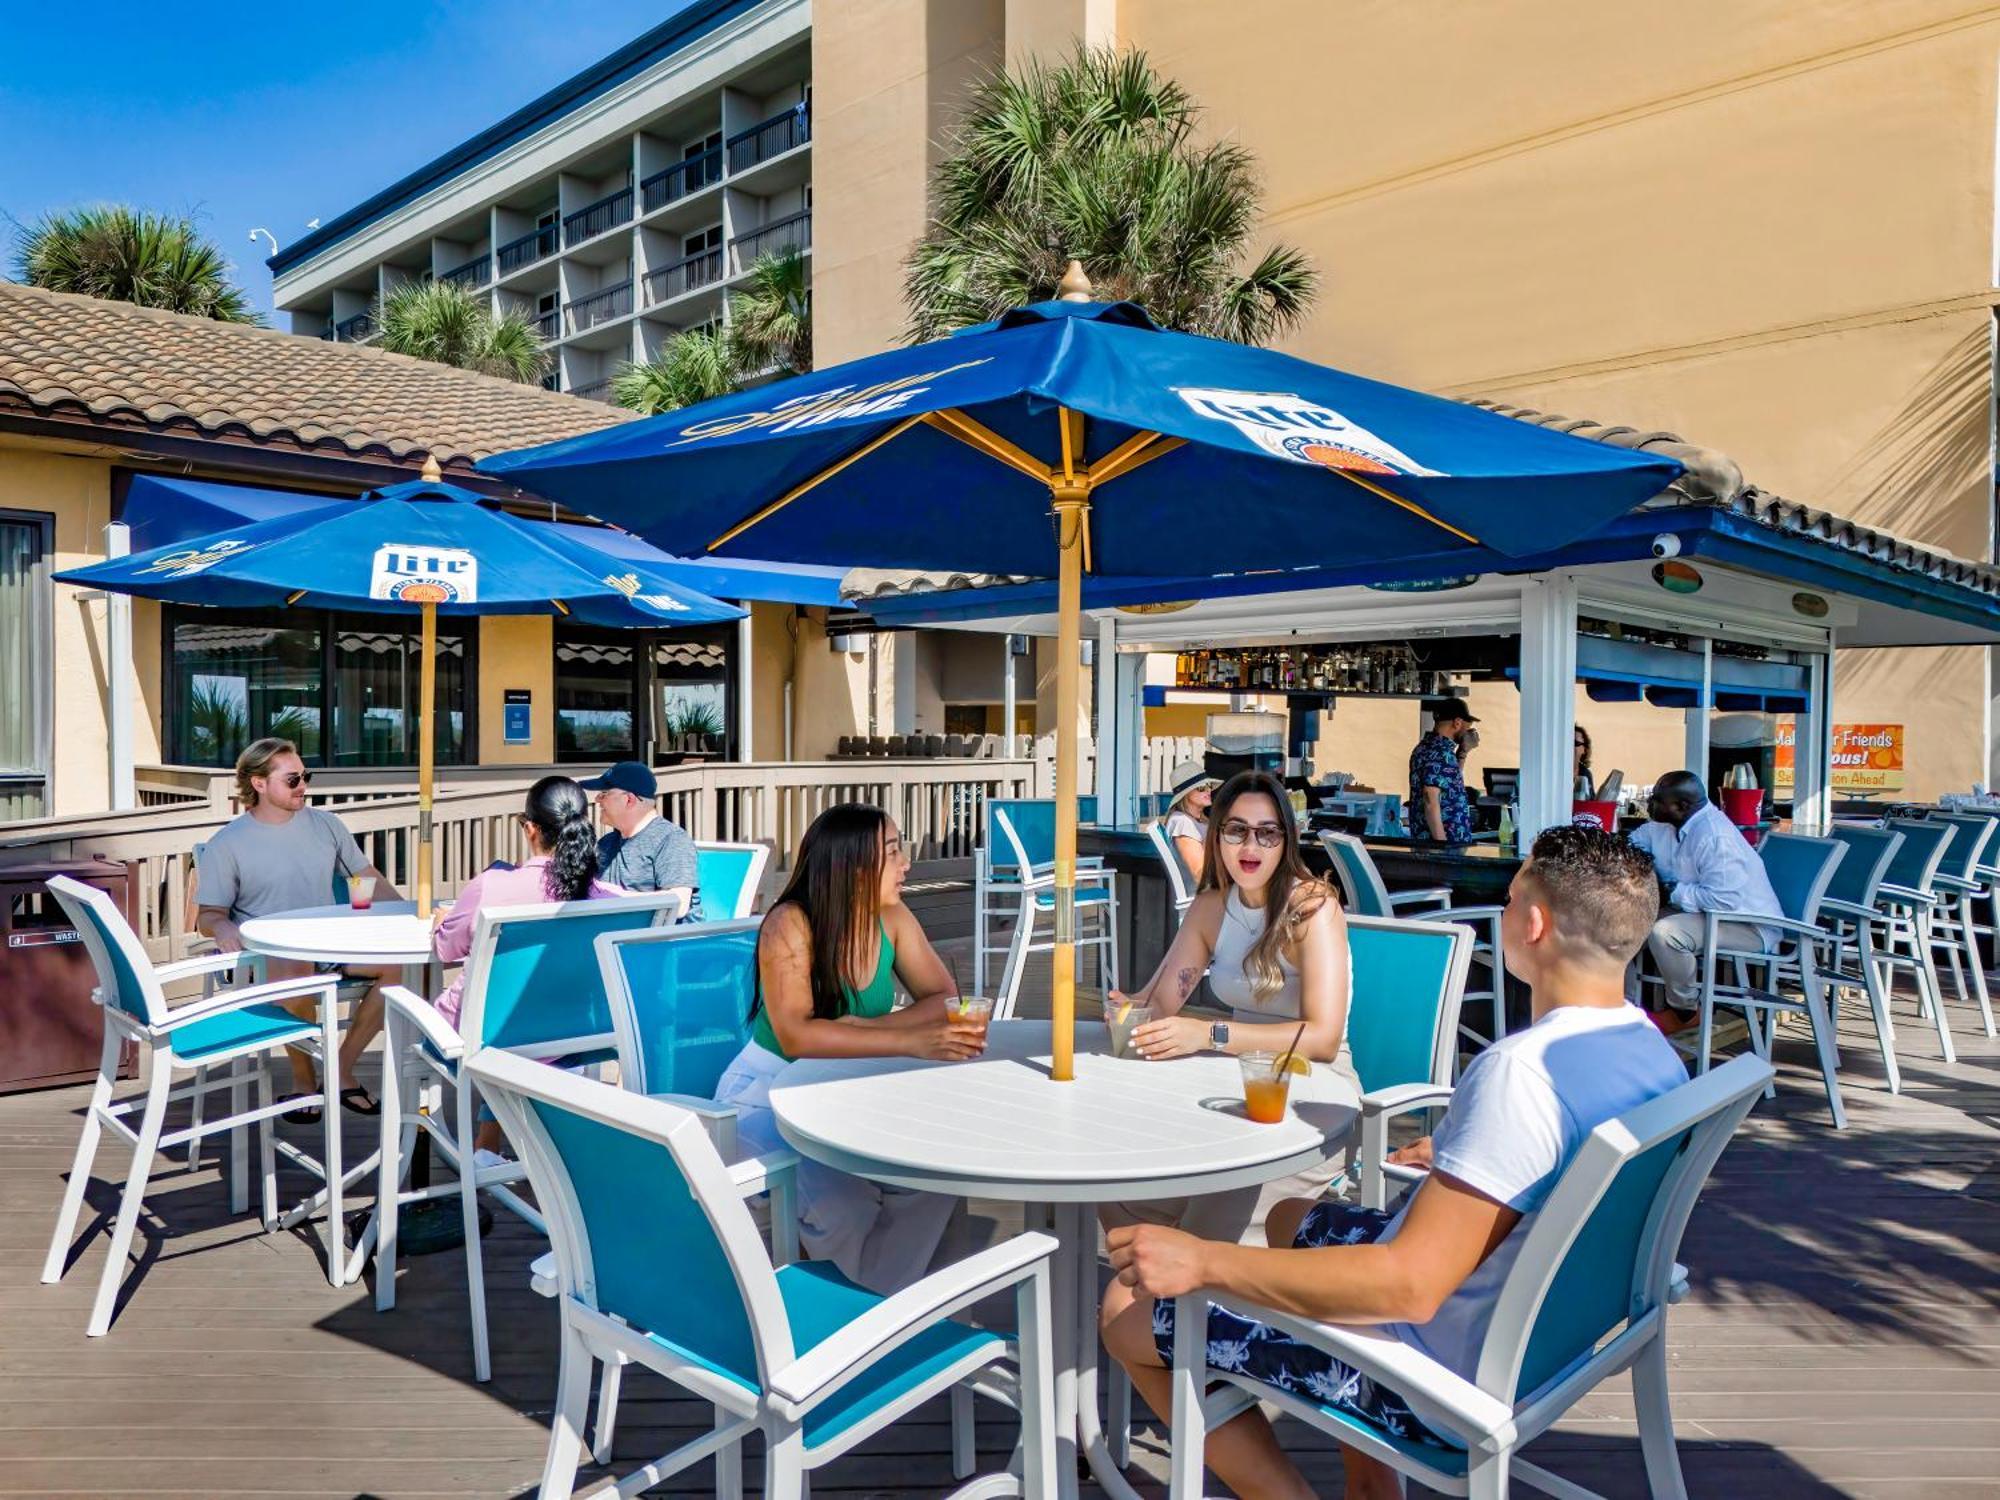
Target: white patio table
x,y
388,932
1001,1128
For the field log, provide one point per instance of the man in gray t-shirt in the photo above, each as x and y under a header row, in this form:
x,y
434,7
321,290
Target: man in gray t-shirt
x,y
281,855
643,851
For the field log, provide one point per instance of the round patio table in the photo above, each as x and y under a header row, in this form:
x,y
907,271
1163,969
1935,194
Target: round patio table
x,y
388,932
1001,1128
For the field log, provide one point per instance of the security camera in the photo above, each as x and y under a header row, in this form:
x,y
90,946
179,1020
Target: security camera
x,y
1666,544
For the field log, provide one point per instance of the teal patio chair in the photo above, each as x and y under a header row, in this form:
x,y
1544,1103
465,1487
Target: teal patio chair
x,y
1367,895
1586,1299
1180,883
1026,832
997,872
213,1031
1961,886
532,985
1848,916
729,877
658,1262
1800,869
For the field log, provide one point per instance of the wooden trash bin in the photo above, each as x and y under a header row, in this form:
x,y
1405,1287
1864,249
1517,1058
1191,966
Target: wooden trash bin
x,y
51,1032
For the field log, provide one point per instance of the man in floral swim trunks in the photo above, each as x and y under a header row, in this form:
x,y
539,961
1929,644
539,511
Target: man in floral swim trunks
x,y
1430,1274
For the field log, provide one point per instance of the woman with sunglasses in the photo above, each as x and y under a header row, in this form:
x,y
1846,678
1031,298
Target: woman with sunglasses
x,y
832,950
1273,942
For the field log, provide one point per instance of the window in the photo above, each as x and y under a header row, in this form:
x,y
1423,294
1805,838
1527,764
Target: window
x,y
26,664
342,688
644,694
702,240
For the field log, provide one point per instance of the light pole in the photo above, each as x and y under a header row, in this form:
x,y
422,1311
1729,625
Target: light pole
x,y
270,237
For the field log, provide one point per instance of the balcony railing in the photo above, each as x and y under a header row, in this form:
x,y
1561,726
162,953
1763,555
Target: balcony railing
x,y
473,275
703,268
594,219
769,138
536,244
353,330
599,307
546,325
793,232
682,178
595,390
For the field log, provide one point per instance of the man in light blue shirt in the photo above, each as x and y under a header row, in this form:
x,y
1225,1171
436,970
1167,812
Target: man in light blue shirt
x,y
1705,864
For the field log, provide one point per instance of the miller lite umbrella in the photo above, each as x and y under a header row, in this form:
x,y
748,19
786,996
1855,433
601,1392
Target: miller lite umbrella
x,y
1082,434
425,547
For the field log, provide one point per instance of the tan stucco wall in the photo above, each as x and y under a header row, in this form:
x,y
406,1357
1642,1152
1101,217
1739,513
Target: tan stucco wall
x,y
831,694
517,651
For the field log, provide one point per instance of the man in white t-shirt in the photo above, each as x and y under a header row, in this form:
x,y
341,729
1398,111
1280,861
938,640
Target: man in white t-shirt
x,y
1576,913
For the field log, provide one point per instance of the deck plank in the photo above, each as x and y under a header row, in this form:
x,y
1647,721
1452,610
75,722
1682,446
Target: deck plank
x,y
1843,1338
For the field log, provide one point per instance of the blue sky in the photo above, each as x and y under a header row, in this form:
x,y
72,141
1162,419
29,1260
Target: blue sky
x,y
266,115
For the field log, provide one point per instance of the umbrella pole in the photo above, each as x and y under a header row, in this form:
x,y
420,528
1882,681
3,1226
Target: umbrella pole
x,y
426,757
1072,505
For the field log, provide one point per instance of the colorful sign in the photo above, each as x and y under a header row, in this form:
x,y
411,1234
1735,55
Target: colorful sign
x,y
1866,757
420,573
1289,426
628,584
1677,577
187,564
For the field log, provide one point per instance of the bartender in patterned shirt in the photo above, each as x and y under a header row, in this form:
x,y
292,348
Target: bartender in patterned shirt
x,y
1440,812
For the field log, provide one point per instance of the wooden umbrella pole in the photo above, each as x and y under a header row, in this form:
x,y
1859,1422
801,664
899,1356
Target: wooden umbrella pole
x,y
1072,508
426,757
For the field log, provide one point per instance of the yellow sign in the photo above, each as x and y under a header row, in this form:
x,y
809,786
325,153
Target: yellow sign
x,y
1866,757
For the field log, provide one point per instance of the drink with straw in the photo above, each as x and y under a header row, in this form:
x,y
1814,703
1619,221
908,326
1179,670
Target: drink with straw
x,y
1123,1017
1266,1086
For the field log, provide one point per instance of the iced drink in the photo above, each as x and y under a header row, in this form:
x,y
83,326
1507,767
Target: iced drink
x,y
1124,1018
1265,1088
361,891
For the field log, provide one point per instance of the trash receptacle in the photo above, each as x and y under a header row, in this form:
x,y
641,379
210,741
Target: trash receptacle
x,y
51,1032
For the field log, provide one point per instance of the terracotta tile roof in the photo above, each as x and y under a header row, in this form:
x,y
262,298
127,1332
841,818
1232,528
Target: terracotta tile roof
x,y
124,366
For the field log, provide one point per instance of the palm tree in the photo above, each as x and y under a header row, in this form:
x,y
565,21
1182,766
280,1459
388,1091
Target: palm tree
x,y
770,318
126,254
1096,158
443,322
690,367
769,332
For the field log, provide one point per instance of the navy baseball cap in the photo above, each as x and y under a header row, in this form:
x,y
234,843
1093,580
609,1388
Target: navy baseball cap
x,y
627,776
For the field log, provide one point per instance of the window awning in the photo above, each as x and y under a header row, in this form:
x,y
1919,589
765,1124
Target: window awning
x,y
161,511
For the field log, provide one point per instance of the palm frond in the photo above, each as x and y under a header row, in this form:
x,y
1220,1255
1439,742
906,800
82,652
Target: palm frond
x,y
690,367
443,322
125,254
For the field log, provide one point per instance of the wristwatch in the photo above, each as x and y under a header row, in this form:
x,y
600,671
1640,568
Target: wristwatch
x,y
1218,1035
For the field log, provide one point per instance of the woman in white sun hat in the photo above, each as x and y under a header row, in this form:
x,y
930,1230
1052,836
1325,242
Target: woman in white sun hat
x,y
1187,814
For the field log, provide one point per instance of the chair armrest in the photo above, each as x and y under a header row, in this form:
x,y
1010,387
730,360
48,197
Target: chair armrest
x,y
1809,930
1904,895
1439,1397
301,987
806,1381
1044,876
542,1274
1404,1097
1828,906
719,1120
1953,882
1472,913
423,1015
1430,895
205,963
757,1174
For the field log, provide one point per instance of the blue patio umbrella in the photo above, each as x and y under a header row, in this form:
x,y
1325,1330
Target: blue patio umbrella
x,y
1083,433
426,548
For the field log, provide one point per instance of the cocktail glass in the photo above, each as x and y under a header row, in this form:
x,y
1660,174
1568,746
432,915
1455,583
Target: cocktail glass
x,y
1265,1088
1123,1018
361,891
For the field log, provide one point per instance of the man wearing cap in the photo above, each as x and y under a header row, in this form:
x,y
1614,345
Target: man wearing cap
x,y
643,851
1187,814
1439,809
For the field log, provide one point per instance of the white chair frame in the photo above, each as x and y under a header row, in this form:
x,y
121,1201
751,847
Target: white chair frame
x,y
995,896
146,1020
792,1385
1177,875
1036,882
1488,1414
423,1055
1954,924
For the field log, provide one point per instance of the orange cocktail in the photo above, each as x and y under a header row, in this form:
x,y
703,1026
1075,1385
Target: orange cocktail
x,y
1266,1087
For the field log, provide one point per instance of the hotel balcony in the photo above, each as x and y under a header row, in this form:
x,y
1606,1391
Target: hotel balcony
x,y
599,307
769,138
704,268
475,275
680,180
535,245
606,214
793,232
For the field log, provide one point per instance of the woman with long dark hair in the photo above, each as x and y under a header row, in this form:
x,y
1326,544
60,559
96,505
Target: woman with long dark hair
x,y
1586,782
833,949
1272,940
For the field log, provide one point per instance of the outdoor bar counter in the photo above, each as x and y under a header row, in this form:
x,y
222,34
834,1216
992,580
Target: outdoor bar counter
x,y
1477,875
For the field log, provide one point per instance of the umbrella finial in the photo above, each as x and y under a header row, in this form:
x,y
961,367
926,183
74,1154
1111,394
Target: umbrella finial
x,y
432,473
1075,285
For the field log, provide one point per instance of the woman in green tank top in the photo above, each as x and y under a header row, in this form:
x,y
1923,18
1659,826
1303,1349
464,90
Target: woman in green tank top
x,y
833,949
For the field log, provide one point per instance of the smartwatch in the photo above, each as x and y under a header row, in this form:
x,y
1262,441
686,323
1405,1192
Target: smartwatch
x,y
1218,1035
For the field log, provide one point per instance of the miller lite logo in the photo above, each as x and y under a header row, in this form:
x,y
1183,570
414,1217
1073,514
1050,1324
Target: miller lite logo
x,y
187,564
419,573
1289,426
628,584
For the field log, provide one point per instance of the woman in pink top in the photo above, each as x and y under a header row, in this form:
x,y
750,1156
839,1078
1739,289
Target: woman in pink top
x,y
561,866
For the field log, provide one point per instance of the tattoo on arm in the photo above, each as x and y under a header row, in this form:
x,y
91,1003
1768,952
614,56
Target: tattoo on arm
x,y
1188,978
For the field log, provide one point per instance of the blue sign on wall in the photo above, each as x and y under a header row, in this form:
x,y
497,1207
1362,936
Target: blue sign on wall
x,y
517,715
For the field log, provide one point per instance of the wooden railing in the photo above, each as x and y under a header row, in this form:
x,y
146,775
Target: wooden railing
x,y
938,804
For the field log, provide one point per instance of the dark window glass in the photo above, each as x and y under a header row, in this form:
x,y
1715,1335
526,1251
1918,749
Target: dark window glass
x,y
377,688
237,677
595,691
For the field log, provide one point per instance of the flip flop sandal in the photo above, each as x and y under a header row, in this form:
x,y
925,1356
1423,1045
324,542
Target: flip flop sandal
x,y
356,1100
304,1114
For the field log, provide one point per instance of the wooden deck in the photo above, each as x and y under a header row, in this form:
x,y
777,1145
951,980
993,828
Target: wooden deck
x,y
1843,1338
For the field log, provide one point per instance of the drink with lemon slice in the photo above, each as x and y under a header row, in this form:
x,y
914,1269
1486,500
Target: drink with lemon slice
x,y
1267,1083
1123,1017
